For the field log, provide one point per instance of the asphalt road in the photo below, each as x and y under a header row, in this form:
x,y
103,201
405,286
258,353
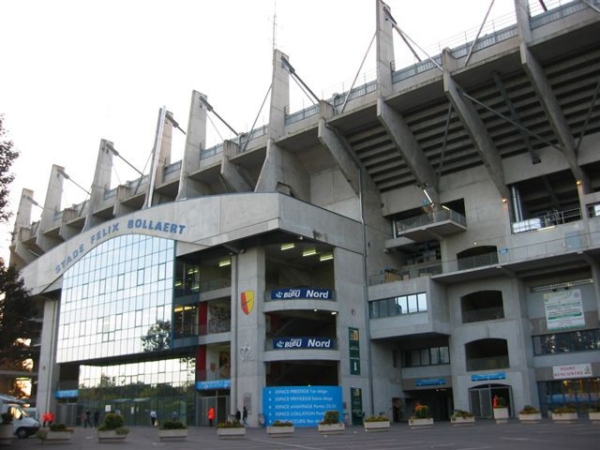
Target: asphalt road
x,y
484,435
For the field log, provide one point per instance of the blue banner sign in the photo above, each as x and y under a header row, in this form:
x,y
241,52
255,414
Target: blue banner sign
x,y
303,342
430,382
72,393
305,406
301,293
488,376
213,384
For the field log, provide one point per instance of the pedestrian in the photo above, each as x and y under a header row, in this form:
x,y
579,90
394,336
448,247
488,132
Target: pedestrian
x,y
45,419
50,418
87,419
211,416
96,418
238,415
245,416
153,418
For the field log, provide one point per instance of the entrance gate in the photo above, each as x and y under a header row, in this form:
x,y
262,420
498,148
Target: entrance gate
x,y
481,398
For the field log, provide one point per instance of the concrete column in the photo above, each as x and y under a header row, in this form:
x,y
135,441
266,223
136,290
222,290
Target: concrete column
x,y
51,207
19,255
101,183
248,340
161,157
280,96
233,175
195,142
385,49
48,370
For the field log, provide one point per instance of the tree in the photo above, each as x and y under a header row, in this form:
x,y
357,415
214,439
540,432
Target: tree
x,y
17,327
7,157
158,337
17,308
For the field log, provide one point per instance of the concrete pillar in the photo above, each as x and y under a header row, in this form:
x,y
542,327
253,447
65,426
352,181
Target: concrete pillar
x,y
19,255
51,207
195,142
48,370
385,49
101,183
280,96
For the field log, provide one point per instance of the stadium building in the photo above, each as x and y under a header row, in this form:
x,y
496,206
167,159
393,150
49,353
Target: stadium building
x,y
430,236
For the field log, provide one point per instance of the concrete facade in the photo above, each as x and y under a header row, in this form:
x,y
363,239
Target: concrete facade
x,y
458,198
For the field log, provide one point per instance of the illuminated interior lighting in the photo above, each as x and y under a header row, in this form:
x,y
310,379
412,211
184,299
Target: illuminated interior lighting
x,y
309,252
288,246
578,182
504,199
225,262
546,228
326,257
333,313
445,207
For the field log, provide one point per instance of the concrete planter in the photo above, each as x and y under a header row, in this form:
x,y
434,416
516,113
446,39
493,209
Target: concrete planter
x,y
420,423
58,436
280,431
6,434
594,416
172,435
231,433
377,426
462,421
530,418
331,428
501,415
564,417
110,436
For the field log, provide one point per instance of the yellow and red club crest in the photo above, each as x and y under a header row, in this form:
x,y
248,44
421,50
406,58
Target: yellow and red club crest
x,y
247,301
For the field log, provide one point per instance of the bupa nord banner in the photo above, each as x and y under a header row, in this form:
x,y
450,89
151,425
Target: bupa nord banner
x,y
303,342
301,293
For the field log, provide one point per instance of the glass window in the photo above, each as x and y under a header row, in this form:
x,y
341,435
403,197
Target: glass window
x,y
404,304
102,296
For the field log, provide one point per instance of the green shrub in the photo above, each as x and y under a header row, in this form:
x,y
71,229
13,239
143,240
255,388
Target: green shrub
x,y
282,423
330,418
230,424
58,427
499,402
528,409
461,413
173,425
113,421
377,419
566,409
421,412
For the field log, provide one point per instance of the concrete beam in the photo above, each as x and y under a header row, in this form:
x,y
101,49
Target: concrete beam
x,y
553,112
337,146
409,148
474,126
280,96
51,207
229,171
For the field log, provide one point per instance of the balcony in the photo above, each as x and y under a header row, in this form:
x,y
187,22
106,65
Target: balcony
x,y
425,227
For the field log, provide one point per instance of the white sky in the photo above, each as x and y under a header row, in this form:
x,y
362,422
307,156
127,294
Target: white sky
x,y
76,71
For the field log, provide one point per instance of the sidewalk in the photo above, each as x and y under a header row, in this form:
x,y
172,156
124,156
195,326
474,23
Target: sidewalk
x,y
485,434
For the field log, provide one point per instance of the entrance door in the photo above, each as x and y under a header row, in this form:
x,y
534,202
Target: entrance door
x,y
481,399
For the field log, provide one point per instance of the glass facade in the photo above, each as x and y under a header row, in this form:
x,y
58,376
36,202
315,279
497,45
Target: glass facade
x,y
135,389
117,300
574,341
581,393
403,304
426,357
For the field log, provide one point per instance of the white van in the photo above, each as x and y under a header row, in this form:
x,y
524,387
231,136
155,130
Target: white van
x,y
23,425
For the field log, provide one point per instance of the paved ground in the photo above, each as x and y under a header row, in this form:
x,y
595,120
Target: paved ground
x,y
484,435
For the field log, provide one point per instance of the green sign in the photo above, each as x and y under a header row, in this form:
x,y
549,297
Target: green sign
x,y
354,342
356,405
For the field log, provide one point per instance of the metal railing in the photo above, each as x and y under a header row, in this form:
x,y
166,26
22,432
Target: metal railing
x,y
429,219
312,110
171,168
212,151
